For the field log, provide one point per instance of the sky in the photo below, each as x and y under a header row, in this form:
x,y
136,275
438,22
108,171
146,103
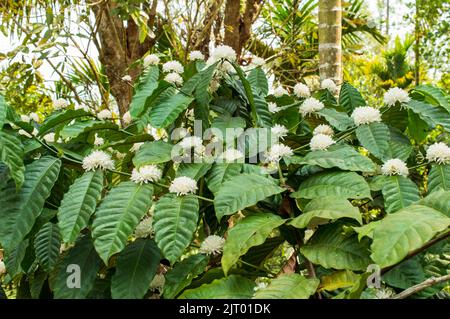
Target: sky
x,y
398,9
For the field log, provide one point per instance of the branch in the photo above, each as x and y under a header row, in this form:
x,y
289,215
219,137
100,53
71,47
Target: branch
x,y
419,287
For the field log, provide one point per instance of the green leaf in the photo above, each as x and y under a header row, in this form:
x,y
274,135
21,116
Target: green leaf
x,y
288,286
47,244
63,117
221,172
438,200
79,204
399,146
167,111
435,94
374,137
153,153
339,184
136,266
251,231
322,210
264,117
182,274
331,248
408,229
439,178
242,191
78,128
21,209
174,222
202,95
350,98
3,111
417,128
193,170
231,287
82,263
11,153
396,117
341,156
118,215
148,84
407,274
13,259
248,91
338,280
338,120
258,81
432,115
399,192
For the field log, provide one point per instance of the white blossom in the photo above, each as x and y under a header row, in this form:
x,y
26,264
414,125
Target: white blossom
x,y
231,155
49,138
156,133
365,115
151,59
196,55
127,78
2,268
98,141
329,85
191,141
279,91
26,134
144,228
279,130
212,245
439,153
395,95
183,185
104,114
383,293
257,61
320,142
82,107
60,104
98,159
310,106
302,90
395,166
273,108
277,151
173,66
120,156
145,174
136,147
323,129
34,117
174,78
25,118
127,118
223,52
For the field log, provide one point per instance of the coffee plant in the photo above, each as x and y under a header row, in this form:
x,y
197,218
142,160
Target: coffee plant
x,y
214,186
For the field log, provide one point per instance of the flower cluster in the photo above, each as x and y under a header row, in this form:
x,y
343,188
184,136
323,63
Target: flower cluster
x,y
395,166
98,159
365,115
439,153
212,245
310,106
183,185
174,78
196,55
231,155
151,59
173,66
302,90
104,114
60,104
279,131
323,129
273,108
145,174
279,91
320,142
394,95
328,84
277,152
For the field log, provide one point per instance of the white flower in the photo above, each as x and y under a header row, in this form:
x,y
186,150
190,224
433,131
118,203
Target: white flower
x,y
145,174
273,108
329,85
104,114
2,268
156,133
82,107
34,117
277,151
183,185
127,78
323,129
395,95
212,244
223,52
98,140
173,66
151,59
120,156
60,104
127,118
144,228
136,147
191,141
383,293
158,282
320,142
279,91
395,166
231,155
279,130
25,118
196,55
302,90
365,115
310,106
26,134
98,159
174,78
439,153
257,61
49,138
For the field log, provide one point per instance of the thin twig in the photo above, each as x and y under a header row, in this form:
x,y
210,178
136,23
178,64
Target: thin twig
x,y
419,287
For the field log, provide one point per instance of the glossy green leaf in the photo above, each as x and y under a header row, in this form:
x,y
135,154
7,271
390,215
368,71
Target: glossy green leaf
x,y
399,192
148,84
153,153
59,118
11,154
350,98
231,287
221,172
47,244
338,120
439,178
167,111
78,128
288,286
433,115
374,137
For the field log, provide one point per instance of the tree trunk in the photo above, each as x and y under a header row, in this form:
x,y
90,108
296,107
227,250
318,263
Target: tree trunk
x,y
417,45
330,34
